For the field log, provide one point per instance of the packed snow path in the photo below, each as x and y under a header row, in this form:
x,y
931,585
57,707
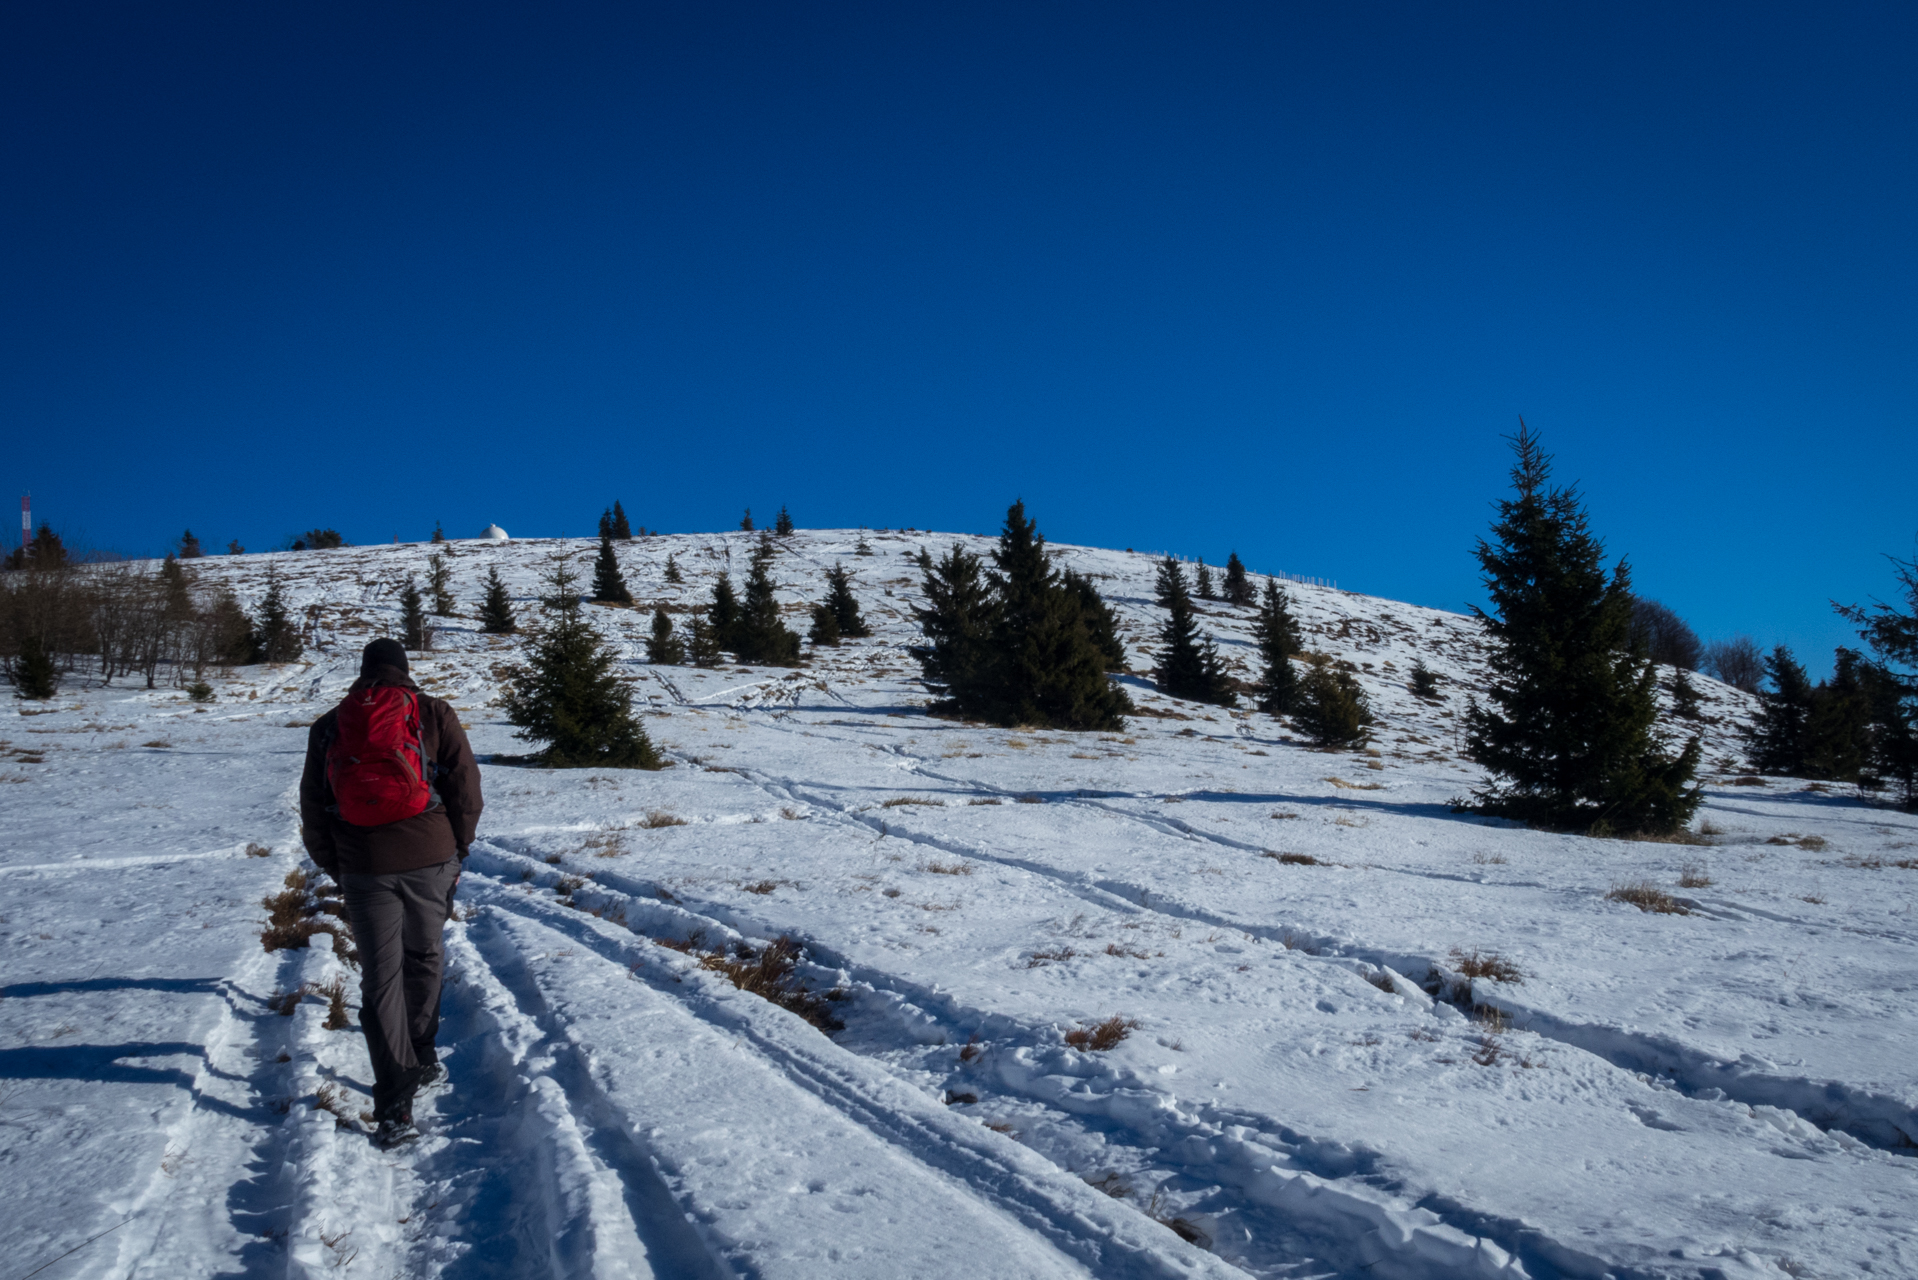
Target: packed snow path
x,y
1313,1084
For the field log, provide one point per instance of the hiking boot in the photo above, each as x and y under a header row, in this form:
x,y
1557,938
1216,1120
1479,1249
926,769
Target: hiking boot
x,y
432,1075
395,1131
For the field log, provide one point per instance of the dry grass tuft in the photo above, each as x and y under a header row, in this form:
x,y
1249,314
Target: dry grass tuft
x,y
1486,964
1184,1228
1057,955
335,993
987,800
769,975
948,868
1110,1183
1282,816
1647,896
258,851
760,886
1694,875
1489,859
1031,799
1101,1036
330,1099
789,813
1298,942
1750,780
899,802
1382,980
1114,949
1293,859
291,919
1342,784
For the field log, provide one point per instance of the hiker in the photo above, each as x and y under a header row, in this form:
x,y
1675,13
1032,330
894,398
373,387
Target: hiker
x,y
389,802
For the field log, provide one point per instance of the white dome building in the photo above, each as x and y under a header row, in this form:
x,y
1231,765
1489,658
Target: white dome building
x,y
494,533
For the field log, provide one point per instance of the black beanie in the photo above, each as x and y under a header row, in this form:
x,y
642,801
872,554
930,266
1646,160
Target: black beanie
x,y
382,653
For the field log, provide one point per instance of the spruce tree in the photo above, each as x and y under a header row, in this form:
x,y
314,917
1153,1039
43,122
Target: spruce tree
x,y
1685,695
761,637
1277,635
842,602
1204,582
1424,682
1237,589
1188,666
190,546
176,594
1569,735
609,586
1168,584
957,623
702,643
234,548
439,534
746,521
1838,733
825,626
568,697
439,584
413,630
621,528
1101,625
1891,680
723,614
663,647
276,636
673,574
1332,710
35,677
496,610
1046,669
783,525
1777,733
230,630
862,547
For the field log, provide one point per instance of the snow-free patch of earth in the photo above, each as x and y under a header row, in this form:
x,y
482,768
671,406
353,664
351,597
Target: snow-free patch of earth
x,y
1312,1084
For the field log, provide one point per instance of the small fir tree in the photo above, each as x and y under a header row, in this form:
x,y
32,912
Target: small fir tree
x,y
190,546
862,547
620,527
176,593
1332,710
761,637
1891,680
323,539
723,614
414,633
663,647
1685,695
783,524
229,630
606,523
234,548
609,585
957,623
439,534
1277,634
1046,669
825,626
673,575
702,643
1189,666
1838,735
439,584
35,677
1100,623
276,636
496,608
1237,589
46,551
1424,682
1777,734
843,603
568,696
1168,584
1204,581
1569,736
746,521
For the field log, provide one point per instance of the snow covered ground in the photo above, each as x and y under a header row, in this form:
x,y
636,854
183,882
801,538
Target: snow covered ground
x,y
1312,1085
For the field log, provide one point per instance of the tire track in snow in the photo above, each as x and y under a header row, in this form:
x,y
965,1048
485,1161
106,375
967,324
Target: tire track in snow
x,y
965,1190
1833,1106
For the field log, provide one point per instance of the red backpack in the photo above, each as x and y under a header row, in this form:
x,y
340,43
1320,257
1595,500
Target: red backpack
x,y
376,762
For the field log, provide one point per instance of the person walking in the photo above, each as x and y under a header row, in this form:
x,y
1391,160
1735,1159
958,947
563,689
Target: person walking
x,y
389,802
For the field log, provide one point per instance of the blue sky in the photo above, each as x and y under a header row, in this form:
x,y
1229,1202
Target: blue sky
x,y
1189,278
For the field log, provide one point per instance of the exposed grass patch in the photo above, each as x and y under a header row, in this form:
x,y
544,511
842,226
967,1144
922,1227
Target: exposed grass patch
x,y
1114,949
986,800
769,975
1749,780
1031,799
1647,896
948,868
760,886
1489,859
1101,1036
1055,955
157,744
657,818
258,851
1694,875
1857,863
1343,785
900,802
1293,859
1486,964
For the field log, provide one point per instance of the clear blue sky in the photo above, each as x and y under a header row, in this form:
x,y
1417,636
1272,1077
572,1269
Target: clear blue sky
x,y
1198,277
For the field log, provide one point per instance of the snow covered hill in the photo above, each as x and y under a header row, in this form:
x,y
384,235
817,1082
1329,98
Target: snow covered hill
x,y
1364,1035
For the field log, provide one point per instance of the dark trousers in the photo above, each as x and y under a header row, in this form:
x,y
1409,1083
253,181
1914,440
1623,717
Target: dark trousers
x,y
397,921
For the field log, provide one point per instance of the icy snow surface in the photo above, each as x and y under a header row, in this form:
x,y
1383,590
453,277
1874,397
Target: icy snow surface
x,y
1312,1088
